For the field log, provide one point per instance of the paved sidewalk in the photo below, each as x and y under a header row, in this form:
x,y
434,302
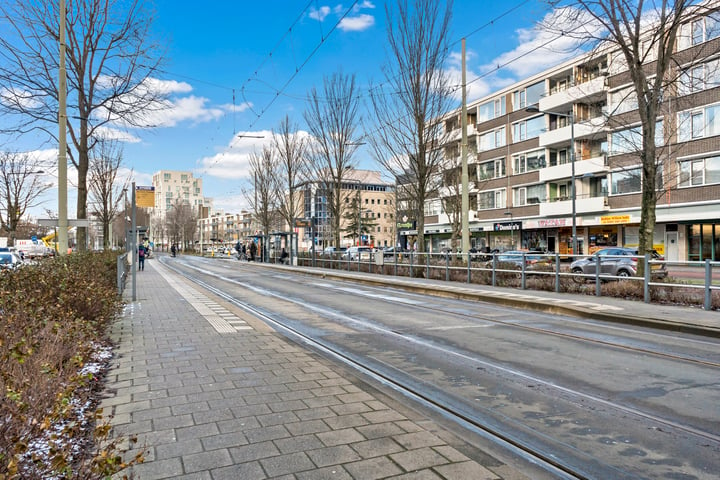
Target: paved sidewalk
x,y
213,394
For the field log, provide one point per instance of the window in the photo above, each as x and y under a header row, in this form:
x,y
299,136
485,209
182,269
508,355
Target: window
x,y
492,139
529,195
627,181
630,140
704,122
432,207
183,178
703,171
528,96
699,31
491,169
624,100
491,199
528,161
528,129
167,177
492,109
699,77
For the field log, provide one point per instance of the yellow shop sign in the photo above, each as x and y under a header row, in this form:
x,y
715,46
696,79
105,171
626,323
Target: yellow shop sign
x,y
614,219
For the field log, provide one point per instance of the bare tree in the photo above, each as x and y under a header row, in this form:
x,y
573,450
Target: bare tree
x,y
643,39
333,120
180,223
409,106
110,61
105,192
264,193
20,188
292,168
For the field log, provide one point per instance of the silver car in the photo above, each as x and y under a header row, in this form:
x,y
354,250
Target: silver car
x,y
616,262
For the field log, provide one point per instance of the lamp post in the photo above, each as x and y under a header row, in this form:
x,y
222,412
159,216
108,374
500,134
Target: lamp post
x,y
512,230
571,117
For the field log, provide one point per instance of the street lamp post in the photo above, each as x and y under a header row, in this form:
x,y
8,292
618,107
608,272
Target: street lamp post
x,y
512,230
571,117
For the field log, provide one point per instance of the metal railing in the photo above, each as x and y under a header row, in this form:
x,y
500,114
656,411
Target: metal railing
x,y
530,270
123,268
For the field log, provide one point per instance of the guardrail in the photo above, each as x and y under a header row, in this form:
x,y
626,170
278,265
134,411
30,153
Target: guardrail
x,y
123,268
530,270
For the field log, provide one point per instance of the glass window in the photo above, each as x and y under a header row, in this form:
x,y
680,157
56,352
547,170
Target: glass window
x,y
492,139
529,195
492,109
491,199
626,181
699,172
625,141
699,123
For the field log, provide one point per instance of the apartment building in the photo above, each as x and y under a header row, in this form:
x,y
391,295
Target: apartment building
x,y
172,186
522,168
369,210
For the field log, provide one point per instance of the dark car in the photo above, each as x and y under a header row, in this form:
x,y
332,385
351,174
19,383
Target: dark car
x,y
617,262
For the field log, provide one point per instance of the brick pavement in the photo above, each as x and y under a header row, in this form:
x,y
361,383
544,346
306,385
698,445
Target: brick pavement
x,y
214,395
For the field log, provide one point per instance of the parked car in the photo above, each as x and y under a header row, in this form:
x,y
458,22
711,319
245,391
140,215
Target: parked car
x,y
617,262
391,251
514,259
10,260
355,252
333,252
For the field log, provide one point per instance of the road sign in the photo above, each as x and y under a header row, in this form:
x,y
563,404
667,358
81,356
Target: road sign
x,y
145,196
72,222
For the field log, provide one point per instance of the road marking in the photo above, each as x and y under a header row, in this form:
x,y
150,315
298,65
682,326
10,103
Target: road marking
x,y
221,319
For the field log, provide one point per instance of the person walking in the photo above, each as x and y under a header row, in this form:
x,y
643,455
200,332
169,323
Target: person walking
x,y
141,257
253,251
173,250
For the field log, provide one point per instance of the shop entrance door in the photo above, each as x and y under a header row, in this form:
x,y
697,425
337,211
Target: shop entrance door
x,y
671,246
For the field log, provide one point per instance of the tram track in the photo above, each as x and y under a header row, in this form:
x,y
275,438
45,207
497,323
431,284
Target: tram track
x,y
468,421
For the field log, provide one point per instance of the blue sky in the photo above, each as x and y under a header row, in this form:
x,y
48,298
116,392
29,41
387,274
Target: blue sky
x,y
223,81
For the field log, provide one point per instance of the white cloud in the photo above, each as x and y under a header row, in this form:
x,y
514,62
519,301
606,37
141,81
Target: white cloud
x,y
230,107
357,23
116,134
354,22
233,161
23,98
319,14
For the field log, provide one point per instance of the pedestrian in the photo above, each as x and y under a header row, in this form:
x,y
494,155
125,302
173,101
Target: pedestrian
x,y
253,251
141,257
173,250
284,256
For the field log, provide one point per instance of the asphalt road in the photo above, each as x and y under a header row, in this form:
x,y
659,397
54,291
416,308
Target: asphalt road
x,y
611,401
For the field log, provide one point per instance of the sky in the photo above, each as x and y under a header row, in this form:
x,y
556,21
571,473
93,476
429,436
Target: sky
x,y
233,69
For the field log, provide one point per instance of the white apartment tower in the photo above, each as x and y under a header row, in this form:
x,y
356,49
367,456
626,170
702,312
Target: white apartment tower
x,y
173,186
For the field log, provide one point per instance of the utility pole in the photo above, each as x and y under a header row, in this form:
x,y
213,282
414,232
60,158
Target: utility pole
x,y
62,141
464,159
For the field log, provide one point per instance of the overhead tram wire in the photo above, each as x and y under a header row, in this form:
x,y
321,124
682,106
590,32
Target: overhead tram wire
x,y
305,62
292,77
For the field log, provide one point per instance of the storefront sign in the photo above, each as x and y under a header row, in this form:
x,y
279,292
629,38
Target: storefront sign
x,y
614,219
507,226
553,222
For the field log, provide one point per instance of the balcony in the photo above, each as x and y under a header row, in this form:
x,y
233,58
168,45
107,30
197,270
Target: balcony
x,y
562,206
586,92
456,134
582,167
561,136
